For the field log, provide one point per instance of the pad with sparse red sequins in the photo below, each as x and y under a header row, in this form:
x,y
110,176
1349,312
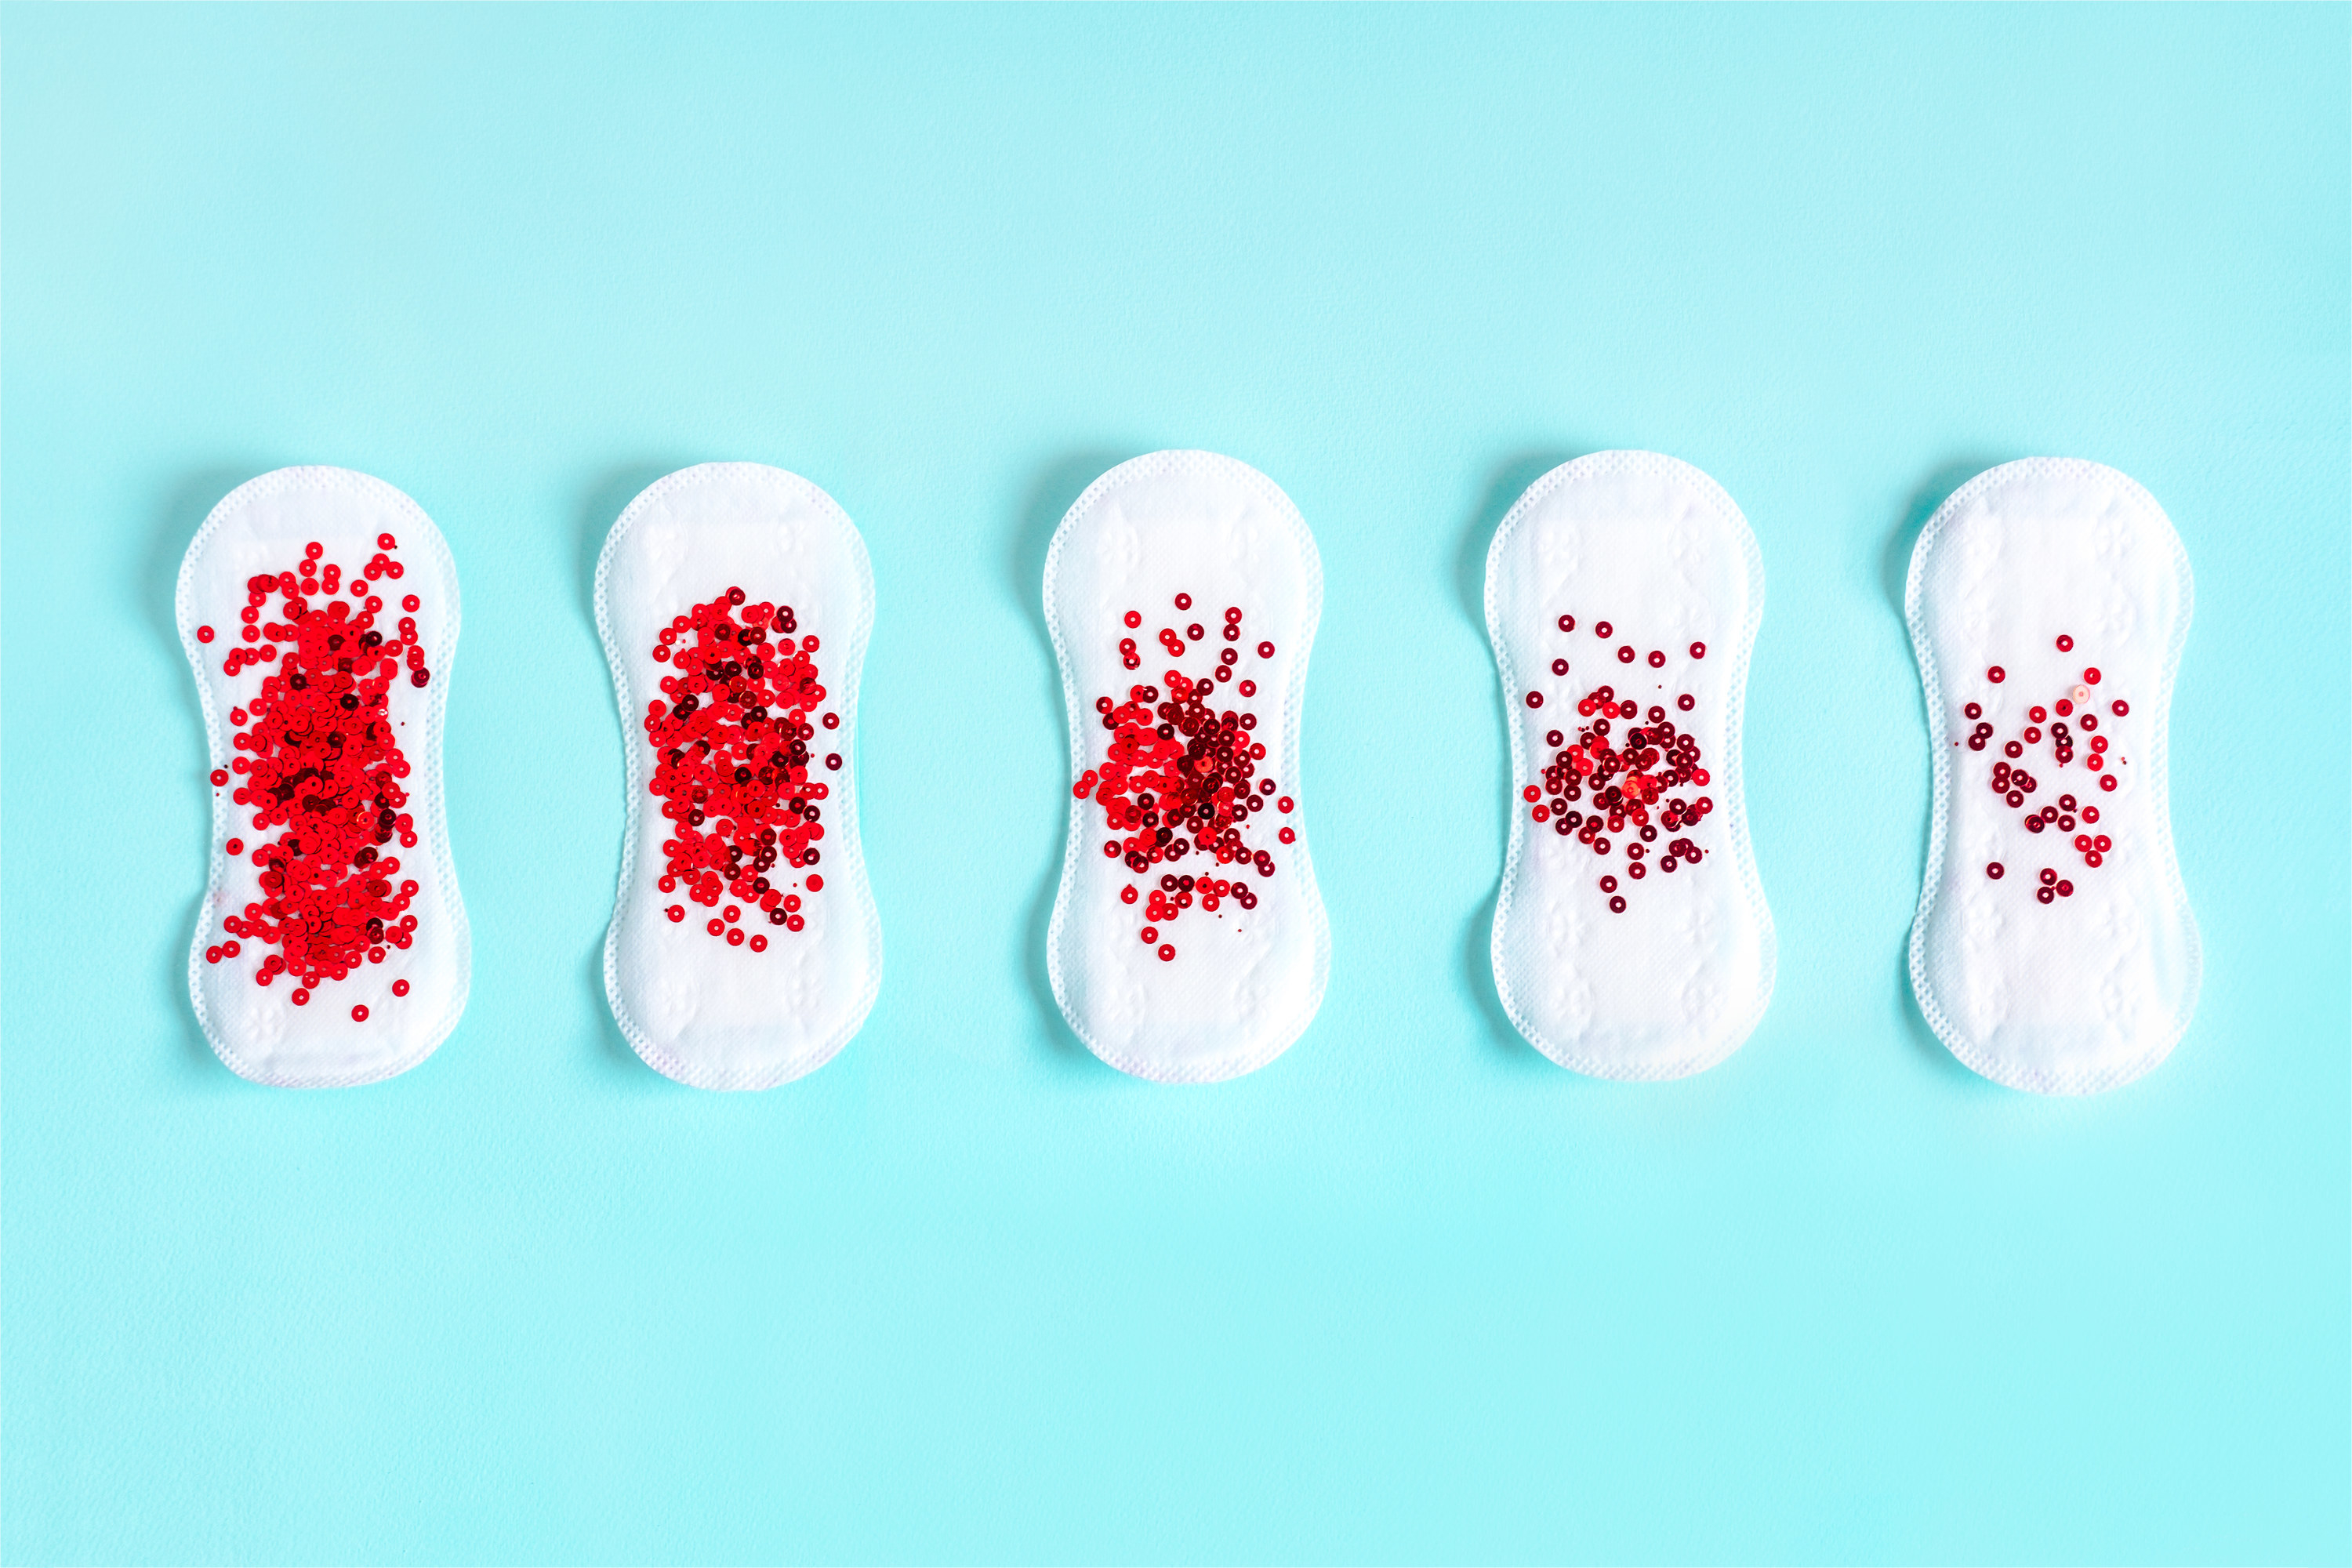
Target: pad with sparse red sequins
x,y
1631,939
2054,948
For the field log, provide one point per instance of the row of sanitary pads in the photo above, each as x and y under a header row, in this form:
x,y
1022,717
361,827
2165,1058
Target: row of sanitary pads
x,y
2048,601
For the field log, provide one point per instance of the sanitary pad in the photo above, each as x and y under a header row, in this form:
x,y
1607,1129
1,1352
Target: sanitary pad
x,y
2054,948
735,601
1631,939
319,607
1188,943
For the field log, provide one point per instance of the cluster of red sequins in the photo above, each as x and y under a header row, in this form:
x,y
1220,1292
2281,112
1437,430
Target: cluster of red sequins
x,y
1180,776
2017,785
731,734
319,759
1599,783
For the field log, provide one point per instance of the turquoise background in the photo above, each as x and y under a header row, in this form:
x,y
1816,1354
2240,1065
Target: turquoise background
x,y
1411,1291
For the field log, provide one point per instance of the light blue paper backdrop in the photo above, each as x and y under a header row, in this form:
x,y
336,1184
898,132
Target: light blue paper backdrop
x,y
1411,1291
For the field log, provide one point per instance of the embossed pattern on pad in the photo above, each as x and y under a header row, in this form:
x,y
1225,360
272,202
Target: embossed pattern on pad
x,y
2066,579
1631,937
701,1008
1232,978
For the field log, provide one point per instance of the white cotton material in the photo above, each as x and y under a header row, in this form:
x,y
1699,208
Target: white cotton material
x,y
258,1031
2092,990
1245,983
1680,979
697,1010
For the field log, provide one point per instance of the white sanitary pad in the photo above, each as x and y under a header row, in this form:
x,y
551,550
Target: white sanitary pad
x,y
1618,953
797,960
2049,600
355,826
1198,949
